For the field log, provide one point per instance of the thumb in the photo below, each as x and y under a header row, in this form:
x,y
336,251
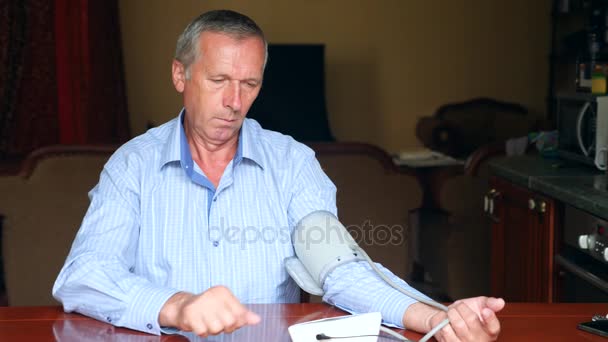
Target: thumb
x,y
252,318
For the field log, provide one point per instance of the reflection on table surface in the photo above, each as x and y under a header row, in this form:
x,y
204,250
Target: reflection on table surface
x,y
519,321
273,327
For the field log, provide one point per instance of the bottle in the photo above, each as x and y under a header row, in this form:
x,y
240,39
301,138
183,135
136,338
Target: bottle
x,y
598,81
594,49
583,78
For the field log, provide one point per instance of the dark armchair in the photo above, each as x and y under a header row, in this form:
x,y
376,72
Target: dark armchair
x,y
477,131
458,129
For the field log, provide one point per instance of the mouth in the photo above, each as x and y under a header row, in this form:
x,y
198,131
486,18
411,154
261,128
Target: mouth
x,y
227,123
227,120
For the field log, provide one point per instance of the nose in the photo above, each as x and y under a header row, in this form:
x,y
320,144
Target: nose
x,y
232,96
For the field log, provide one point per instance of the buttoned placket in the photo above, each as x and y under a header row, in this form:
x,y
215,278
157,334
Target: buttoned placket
x,y
216,210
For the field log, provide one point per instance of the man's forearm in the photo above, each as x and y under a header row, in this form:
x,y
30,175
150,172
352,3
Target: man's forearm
x,y
418,317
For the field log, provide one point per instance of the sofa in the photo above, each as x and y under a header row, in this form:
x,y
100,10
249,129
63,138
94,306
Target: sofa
x,y
43,206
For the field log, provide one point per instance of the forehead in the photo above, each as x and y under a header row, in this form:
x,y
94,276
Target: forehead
x,y
217,49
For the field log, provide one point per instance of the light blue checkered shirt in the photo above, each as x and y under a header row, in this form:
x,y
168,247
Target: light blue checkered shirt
x,y
156,225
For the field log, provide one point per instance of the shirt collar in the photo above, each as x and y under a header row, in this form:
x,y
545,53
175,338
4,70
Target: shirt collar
x,y
171,150
249,142
177,148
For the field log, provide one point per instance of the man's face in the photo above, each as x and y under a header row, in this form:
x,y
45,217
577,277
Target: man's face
x,y
224,81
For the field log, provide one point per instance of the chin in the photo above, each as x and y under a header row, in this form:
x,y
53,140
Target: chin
x,y
225,133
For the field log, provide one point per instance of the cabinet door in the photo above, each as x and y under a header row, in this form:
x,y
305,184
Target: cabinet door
x,y
522,243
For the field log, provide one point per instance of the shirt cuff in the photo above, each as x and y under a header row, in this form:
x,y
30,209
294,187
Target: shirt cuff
x,y
393,309
147,303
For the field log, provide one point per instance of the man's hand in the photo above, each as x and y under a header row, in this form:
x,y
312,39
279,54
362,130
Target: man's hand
x,y
471,319
209,313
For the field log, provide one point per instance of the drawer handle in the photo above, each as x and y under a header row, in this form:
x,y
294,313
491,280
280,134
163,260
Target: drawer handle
x,y
531,204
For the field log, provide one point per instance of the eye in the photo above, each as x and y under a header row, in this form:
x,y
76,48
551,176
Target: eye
x,y
251,84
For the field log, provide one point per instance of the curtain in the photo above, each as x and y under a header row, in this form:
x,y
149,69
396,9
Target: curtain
x,y
61,75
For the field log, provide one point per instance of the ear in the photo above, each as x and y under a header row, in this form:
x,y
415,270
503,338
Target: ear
x,y
178,74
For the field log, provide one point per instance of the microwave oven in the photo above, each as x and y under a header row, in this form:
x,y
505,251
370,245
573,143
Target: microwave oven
x,y
582,125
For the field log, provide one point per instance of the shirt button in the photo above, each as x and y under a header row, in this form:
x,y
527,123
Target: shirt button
x,y
216,243
149,326
215,199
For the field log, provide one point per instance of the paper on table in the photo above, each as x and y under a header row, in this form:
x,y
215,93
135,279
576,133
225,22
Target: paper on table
x,y
352,325
425,158
423,153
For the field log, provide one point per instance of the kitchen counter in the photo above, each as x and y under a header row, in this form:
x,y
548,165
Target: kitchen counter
x,y
578,185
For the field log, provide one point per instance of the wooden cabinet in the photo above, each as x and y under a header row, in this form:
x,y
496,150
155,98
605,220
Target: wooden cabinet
x,y
523,235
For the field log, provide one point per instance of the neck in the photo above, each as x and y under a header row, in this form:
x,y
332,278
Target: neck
x,y
208,154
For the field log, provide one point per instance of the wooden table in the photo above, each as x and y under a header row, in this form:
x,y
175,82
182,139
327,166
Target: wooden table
x,y
520,322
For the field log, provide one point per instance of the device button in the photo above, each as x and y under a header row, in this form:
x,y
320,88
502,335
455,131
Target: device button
x,y
583,241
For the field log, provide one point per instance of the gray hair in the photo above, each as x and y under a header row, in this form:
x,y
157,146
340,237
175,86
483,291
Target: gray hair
x,y
231,23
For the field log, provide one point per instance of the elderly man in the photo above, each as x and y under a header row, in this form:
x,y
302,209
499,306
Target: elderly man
x,y
155,251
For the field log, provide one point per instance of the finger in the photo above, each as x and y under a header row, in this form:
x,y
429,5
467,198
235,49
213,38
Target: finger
x,y
215,325
453,305
496,304
462,322
218,319
200,329
434,321
472,320
237,312
448,334
491,322
229,321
